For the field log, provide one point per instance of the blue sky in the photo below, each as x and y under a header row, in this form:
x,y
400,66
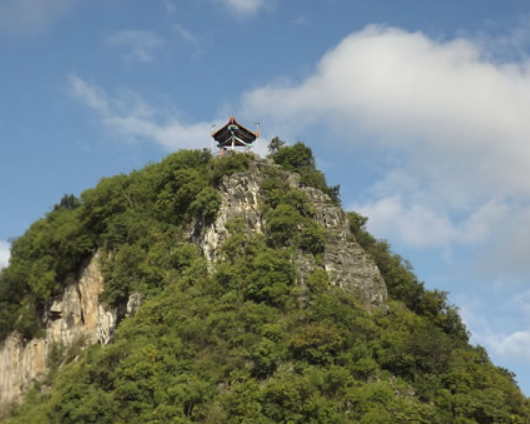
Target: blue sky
x,y
418,108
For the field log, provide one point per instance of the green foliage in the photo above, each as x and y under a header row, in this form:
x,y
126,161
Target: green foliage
x,y
227,166
289,217
233,346
275,144
41,261
257,272
317,343
27,320
136,219
403,285
206,204
234,343
295,158
68,201
284,223
299,158
318,281
312,238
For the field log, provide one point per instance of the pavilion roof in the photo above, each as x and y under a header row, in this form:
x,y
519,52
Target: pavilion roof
x,y
224,135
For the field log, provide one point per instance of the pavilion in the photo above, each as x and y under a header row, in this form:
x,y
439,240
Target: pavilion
x,y
234,137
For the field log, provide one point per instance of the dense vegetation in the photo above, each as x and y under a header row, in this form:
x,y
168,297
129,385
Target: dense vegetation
x,y
237,344
299,158
135,217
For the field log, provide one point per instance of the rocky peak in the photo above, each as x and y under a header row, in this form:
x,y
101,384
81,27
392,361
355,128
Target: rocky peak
x,y
79,314
348,266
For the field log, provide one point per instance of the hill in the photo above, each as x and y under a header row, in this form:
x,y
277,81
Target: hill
x,y
231,290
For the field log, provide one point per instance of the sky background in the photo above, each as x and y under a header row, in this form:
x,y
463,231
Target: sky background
x,y
419,109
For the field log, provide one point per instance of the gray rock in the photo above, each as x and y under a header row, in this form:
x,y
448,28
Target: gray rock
x,y
133,304
349,267
77,315
80,314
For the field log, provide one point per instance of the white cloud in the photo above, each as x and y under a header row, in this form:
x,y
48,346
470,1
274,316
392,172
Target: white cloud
x,y
31,16
5,253
497,325
141,46
515,345
420,225
454,121
244,7
408,91
128,115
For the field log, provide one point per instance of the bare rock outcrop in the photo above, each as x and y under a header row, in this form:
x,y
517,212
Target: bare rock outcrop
x,y
348,266
77,316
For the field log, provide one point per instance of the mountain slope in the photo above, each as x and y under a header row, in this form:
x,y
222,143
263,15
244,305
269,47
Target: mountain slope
x,y
259,306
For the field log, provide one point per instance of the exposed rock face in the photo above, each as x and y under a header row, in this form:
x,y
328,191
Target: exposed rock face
x,y
133,304
346,262
349,267
241,194
77,315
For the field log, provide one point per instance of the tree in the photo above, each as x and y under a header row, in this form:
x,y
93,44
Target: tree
x,y
68,201
275,144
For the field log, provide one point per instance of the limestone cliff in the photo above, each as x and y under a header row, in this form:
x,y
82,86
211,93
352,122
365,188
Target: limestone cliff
x,y
346,262
76,316
79,314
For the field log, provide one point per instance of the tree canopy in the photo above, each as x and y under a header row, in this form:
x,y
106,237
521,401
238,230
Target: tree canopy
x,y
240,342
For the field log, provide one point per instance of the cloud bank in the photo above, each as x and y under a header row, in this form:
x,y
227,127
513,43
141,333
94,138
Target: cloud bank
x,y
454,121
432,98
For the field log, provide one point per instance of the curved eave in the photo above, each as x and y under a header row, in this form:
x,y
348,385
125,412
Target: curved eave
x,y
224,135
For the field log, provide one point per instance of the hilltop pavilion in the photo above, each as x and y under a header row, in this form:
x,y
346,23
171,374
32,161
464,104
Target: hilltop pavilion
x,y
234,137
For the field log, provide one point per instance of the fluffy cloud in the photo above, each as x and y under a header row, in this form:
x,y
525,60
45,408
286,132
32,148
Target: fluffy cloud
x,y
454,121
141,46
410,92
244,7
423,226
497,325
31,16
128,115
515,345
4,254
